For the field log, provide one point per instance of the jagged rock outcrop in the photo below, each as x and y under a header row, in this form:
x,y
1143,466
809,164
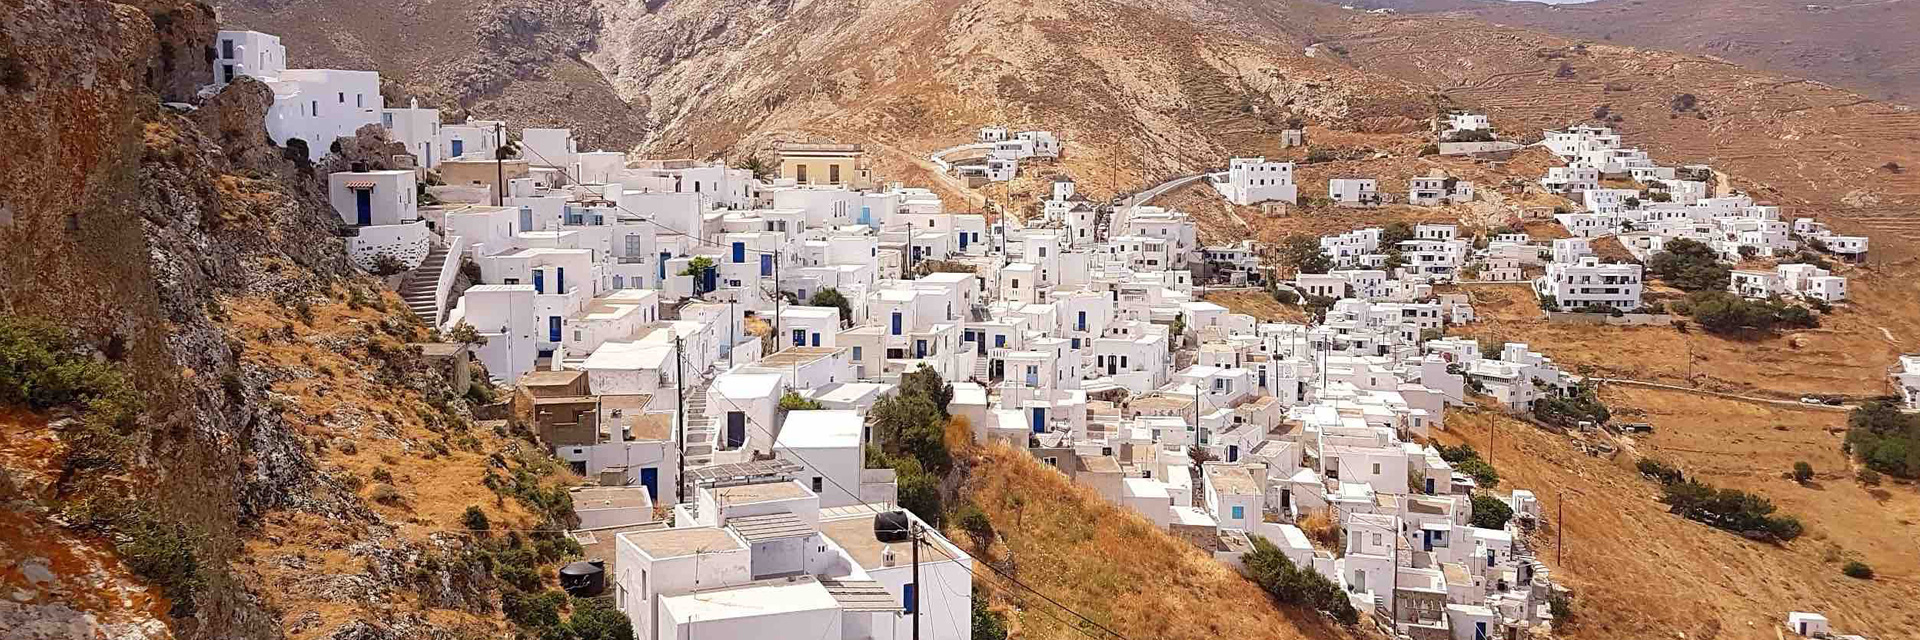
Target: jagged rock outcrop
x,y
190,254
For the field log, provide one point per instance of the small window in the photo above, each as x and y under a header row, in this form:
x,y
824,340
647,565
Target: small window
x,y
816,484
343,97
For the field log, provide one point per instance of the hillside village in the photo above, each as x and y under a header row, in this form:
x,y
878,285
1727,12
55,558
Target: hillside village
x,y
745,361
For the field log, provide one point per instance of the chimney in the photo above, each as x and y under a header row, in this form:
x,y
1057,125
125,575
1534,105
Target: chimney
x,y
886,556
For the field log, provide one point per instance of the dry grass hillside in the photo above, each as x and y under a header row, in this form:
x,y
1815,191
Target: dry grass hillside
x,y
1639,571
1111,565
1868,46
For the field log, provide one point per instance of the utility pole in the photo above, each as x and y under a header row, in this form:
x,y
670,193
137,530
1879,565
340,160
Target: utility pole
x,y
499,172
906,257
1560,532
733,339
776,300
680,389
914,530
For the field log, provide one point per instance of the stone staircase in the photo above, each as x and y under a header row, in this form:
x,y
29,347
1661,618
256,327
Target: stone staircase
x,y
980,370
421,289
702,435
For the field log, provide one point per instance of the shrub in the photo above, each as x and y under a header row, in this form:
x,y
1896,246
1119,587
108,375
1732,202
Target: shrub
x,y
1471,135
1561,606
385,265
793,402
381,474
1802,472
1303,254
1467,460
987,625
1660,472
1730,509
1868,477
387,495
475,520
1857,569
1724,312
1568,411
1287,583
831,297
1490,512
164,555
597,619
1884,439
42,366
978,527
1689,265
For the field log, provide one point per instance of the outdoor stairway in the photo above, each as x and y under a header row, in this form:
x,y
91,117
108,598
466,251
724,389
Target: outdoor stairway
x,y
421,289
702,437
980,371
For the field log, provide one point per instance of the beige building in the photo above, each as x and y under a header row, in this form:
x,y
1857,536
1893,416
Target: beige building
x,y
824,164
483,173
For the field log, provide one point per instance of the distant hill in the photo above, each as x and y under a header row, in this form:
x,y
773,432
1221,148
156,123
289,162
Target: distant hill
x,y
1868,46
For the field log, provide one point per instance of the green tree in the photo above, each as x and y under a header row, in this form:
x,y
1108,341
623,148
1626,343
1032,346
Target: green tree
x,y
792,401
927,383
831,297
1490,512
1289,584
699,267
1303,254
987,625
1802,472
1884,438
475,520
595,619
1689,265
1393,234
1857,569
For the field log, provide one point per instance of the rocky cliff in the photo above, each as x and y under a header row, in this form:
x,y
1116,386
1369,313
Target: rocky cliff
x,y
210,426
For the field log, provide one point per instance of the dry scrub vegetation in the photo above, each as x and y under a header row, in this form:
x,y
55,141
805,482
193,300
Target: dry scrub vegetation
x,y
1112,564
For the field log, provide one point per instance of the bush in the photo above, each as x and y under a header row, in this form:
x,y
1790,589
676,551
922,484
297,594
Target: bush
x,y
1868,477
1467,460
1730,509
1724,312
1289,584
1857,569
1490,512
387,495
164,555
1689,265
793,402
987,625
475,520
1471,135
831,297
1560,605
1660,472
978,527
1580,405
385,265
42,366
1303,254
597,619
1802,472
1884,439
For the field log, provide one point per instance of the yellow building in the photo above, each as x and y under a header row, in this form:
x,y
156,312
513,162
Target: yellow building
x,y
823,164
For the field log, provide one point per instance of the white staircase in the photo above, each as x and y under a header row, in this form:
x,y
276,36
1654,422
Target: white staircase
x,y
702,436
980,371
421,290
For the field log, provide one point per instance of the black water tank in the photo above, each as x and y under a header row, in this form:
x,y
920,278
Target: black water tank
x,y
584,579
357,167
892,526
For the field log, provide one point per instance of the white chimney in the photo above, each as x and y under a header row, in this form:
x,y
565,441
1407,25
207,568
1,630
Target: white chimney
x,y
886,556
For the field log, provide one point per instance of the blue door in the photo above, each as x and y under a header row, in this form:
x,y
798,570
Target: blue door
x,y
559,279
553,328
459,147
1426,540
1039,419
1429,486
896,323
1081,325
539,281
816,339
766,265
1233,453
736,429
1479,631
799,337
963,242
363,206
919,348
1033,376
664,257
650,478
739,252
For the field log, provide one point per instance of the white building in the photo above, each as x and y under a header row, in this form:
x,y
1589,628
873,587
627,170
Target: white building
x,y
1355,192
314,106
1589,282
1250,181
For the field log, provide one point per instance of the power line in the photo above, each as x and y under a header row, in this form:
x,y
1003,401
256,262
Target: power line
x,y
708,379
996,570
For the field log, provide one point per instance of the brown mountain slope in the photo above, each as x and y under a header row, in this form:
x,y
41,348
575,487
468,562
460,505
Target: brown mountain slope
x,y
1110,564
513,59
1869,46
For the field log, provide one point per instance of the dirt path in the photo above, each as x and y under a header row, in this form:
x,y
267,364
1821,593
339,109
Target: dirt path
x,y
1723,394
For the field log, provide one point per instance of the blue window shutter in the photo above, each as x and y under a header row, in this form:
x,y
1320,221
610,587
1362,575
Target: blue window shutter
x,y
560,280
766,265
912,601
856,353
816,339
799,337
1239,512
539,281
896,323
739,252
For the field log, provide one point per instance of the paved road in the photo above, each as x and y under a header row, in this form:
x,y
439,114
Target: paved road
x,y
1144,197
